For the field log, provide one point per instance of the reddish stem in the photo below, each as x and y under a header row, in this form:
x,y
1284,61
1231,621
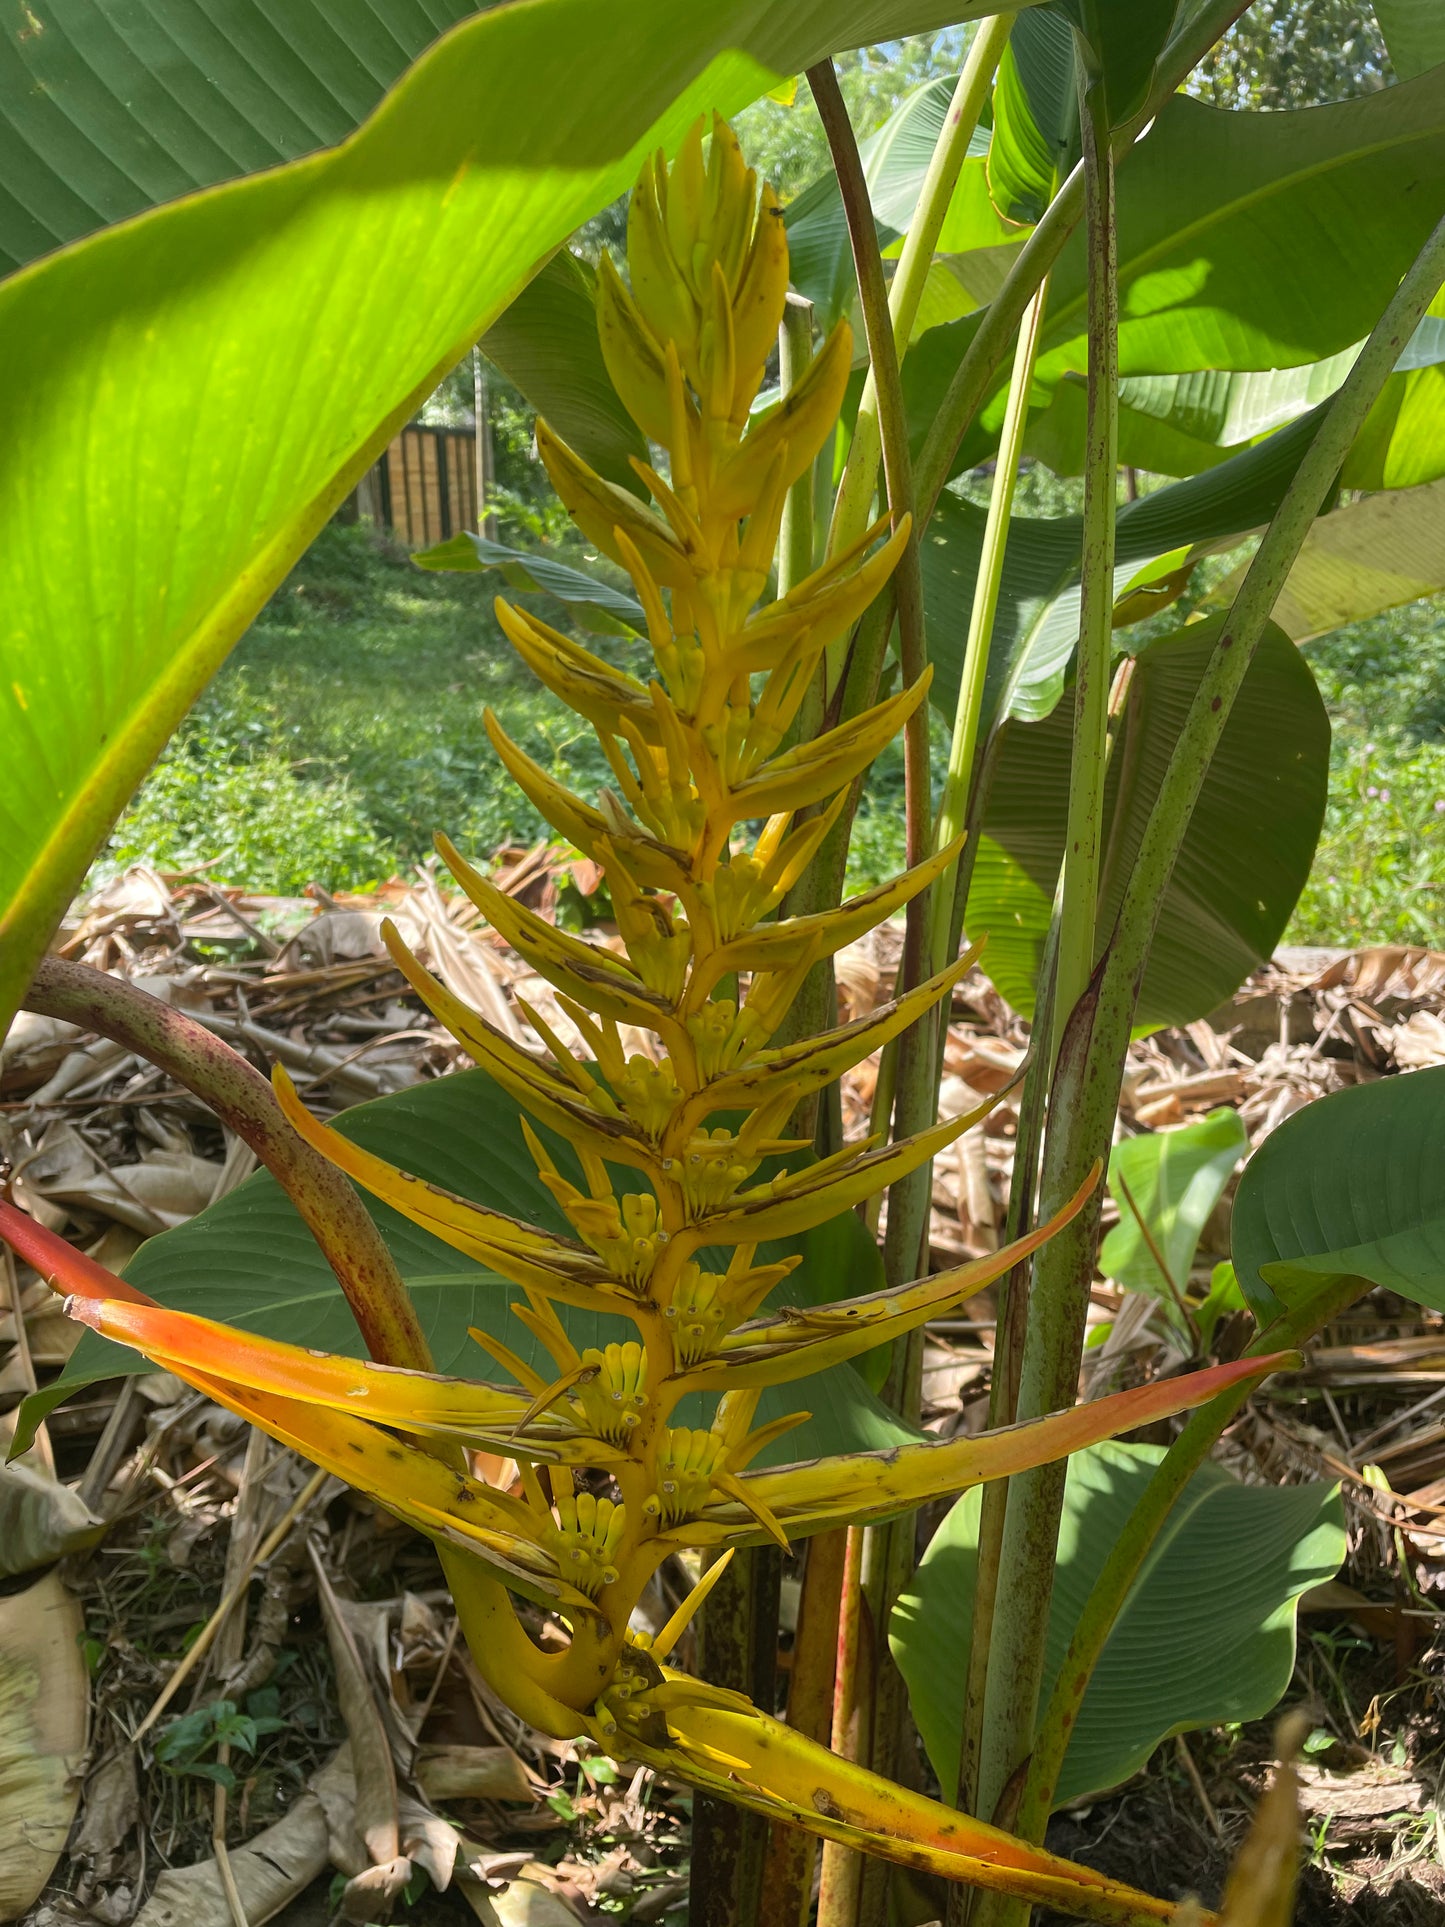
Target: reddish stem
x,y
245,1102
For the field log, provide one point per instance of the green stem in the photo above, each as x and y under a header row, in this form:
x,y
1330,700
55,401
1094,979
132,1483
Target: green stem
x,y
958,784
883,355
1130,717
1049,1370
244,1101
909,1199
998,326
1009,1334
816,1006
1084,835
860,475
1126,1557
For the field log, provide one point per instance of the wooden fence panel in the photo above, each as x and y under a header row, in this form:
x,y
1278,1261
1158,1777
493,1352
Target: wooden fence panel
x,y
424,488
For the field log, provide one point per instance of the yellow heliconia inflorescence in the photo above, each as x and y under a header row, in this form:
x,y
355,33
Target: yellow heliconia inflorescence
x,y
713,815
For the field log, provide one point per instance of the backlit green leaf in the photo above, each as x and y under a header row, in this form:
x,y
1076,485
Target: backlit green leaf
x,y
187,397
1171,1180
1374,555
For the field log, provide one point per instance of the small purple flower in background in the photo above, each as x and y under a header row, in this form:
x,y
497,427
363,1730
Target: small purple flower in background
x,y
1372,791
1384,796
1440,805
1369,749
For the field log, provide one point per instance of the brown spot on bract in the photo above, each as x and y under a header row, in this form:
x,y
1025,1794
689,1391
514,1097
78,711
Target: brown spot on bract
x,y
826,1804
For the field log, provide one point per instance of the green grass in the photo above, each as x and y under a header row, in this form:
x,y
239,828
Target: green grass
x,y
1379,872
347,728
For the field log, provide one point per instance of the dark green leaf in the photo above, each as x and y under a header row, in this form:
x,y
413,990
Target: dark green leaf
x,y
108,110
1207,1635
1414,33
1352,1186
1246,854
1120,43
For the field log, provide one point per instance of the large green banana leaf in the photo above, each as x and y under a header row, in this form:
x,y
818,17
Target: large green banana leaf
x,y
250,1261
1183,424
187,397
1207,1633
1246,241
1352,1186
1246,854
1414,33
108,110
